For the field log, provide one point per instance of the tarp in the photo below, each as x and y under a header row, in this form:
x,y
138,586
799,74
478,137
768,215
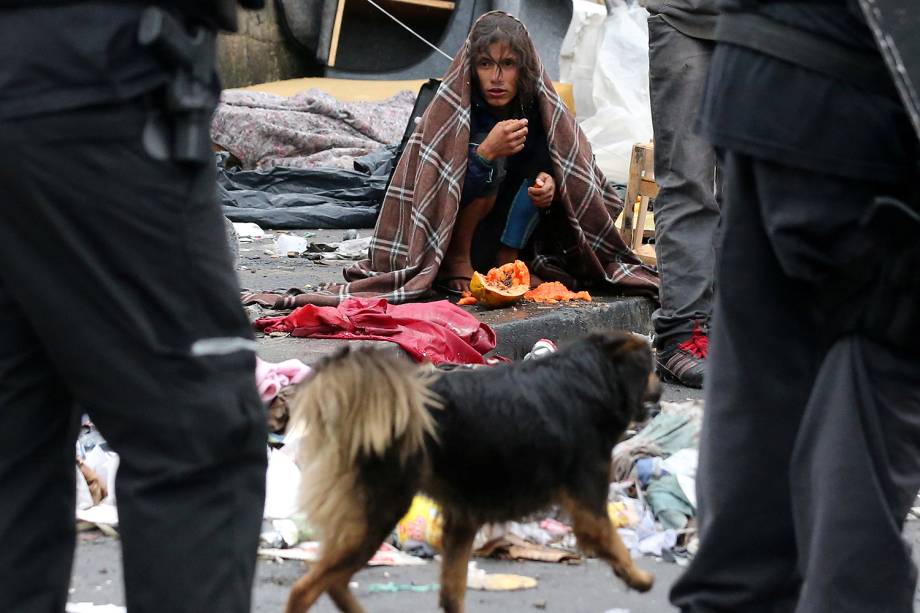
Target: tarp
x,y
316,198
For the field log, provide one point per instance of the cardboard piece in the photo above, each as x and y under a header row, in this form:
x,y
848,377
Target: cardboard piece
x,y
354,90
511,547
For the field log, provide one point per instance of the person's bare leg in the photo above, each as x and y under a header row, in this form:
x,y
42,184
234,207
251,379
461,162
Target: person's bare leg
x,y
457,261
506,255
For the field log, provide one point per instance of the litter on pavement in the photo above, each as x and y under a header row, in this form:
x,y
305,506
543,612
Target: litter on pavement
x,y
651,500
402,587
478,579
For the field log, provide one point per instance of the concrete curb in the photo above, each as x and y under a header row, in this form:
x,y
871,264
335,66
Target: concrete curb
x,y
517,328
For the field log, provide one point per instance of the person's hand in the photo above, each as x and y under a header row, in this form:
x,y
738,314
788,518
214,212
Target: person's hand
x,y
506,138
542,191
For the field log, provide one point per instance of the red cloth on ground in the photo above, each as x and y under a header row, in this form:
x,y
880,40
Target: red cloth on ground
x,y
432,331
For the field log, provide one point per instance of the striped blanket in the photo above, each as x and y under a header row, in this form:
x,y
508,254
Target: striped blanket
x,y
418,212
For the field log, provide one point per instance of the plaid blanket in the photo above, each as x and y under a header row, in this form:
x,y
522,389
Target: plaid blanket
x,y
419,209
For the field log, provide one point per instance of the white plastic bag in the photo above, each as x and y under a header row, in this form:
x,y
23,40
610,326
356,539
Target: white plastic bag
x,y
619,89
282,485
578,54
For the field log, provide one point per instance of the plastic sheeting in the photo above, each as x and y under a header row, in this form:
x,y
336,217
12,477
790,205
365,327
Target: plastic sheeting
x,y
306,198
605,57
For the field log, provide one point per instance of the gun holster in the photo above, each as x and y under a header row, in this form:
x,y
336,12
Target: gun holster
x,y
178,127
878,295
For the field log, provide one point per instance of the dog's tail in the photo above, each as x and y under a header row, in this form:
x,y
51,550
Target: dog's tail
x,y
359,404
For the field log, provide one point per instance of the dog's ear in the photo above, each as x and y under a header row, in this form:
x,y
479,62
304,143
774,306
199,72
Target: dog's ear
x,y
618,343
631,357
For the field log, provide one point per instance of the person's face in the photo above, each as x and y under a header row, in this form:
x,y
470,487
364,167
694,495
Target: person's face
x,y
497,70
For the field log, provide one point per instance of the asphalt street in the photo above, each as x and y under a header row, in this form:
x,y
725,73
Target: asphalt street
x,y
588,587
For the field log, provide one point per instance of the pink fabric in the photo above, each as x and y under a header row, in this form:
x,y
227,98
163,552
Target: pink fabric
x,y
428,331
271,378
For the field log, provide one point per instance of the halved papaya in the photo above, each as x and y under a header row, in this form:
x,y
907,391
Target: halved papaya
x,y
502,286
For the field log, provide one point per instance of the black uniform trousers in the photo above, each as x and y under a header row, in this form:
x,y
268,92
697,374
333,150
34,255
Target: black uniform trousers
x,y
118,298
810,450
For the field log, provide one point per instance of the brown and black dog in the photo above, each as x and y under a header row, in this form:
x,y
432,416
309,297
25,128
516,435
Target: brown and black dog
x,y
489,445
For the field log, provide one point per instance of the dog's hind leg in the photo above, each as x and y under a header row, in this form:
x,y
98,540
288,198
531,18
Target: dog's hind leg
x,y
334,568
457,545
349,554
596,535
333,572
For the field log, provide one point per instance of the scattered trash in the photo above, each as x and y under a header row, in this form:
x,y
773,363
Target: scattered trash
x,y
555,528
279,411
623,515
308,551
423,523
288,244
683,465
403,587
662,459
511,547
676,427
388,555
478,579
284,533
91,488
99,515
667,501
645,538
271,378
354,249
282,484
419,549
541,348
249,230
96,468
350,235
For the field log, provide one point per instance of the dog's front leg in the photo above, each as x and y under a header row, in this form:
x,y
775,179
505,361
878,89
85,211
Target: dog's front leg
x,y
457,544
596,534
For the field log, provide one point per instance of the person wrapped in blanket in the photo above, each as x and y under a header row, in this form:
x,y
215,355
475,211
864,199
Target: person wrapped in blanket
x,y
509,182
497,164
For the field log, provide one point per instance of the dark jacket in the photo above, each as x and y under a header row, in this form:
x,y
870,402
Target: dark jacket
x,y
484,178
219,13
696,18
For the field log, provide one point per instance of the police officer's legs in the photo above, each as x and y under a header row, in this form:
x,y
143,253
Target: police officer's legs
x,y
855,473
760,372
38,427
686,211
853,466
121,267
